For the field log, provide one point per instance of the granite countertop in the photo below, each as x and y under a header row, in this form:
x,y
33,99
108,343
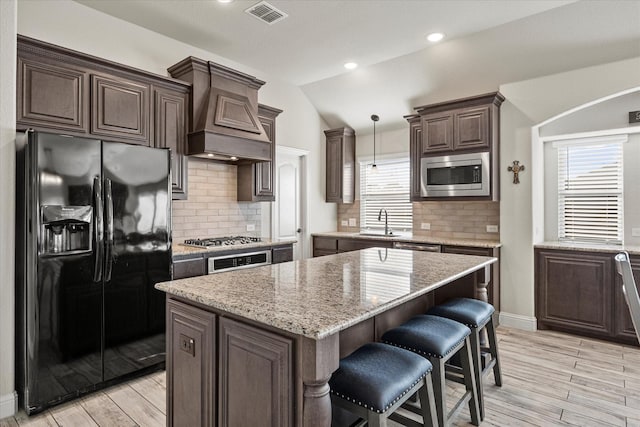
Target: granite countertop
x,y
408,237
588,247
317,297
179,250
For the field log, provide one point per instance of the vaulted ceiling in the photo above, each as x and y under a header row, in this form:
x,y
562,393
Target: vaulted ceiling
x,y
487,43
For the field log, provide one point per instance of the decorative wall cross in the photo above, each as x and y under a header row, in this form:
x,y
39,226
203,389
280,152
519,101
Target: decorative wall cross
x,y
516,169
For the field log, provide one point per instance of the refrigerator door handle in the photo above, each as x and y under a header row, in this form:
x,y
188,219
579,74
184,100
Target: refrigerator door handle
x,y
98,229
109,220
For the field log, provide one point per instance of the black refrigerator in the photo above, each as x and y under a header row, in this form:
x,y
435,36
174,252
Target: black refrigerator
x,y
93,237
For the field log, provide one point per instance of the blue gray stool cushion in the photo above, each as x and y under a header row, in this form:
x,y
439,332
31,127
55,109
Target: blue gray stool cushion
x,y
376,375
471,312
430,336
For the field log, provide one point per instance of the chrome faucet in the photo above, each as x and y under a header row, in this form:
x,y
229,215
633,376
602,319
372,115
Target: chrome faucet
x,y
386,221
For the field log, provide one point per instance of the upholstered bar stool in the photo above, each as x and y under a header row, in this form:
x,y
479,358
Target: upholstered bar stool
x,y
476,315
376,379
438,339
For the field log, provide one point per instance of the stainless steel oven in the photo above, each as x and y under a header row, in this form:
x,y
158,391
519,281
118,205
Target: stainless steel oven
x,y
458,175
218,264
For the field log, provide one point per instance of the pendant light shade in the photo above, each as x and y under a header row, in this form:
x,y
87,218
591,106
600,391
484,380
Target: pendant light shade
x,y
374,167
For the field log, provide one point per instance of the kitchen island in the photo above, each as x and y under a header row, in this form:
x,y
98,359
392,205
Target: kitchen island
x,y
258,346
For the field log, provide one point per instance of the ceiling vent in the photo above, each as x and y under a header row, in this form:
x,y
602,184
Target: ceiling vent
x,y
266,13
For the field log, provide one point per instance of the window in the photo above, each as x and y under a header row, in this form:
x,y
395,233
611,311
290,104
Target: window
x,y
387,188
590,194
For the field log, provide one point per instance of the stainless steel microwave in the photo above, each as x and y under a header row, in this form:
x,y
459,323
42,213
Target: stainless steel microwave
x,y
458,175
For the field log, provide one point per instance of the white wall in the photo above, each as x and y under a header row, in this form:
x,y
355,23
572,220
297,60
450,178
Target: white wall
x,y
8,13
529,103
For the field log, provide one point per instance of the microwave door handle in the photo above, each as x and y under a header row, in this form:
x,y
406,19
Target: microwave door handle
x,y
98,229
109,236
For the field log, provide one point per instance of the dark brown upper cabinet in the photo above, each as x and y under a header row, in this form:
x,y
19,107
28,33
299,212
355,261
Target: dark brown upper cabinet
x,y
341,155
51,96
255,180
170,132
456,127
120,109
63,91
437,133
415,153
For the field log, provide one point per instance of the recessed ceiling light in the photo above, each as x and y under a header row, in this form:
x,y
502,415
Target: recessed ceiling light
x,y
435,37
234,158
350,65
225,1
209,155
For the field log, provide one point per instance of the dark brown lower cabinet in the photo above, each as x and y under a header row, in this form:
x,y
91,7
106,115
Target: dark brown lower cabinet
x,y
224,372
191,370
281,254
256,378
580,292
189,267
622,319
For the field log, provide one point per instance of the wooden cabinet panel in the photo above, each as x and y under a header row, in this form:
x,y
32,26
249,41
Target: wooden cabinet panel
x,y
256,378
52,96
324,246
415,153
471,129
191,371
622,319
437,133
574,291
189,268
282,254
120,109
171,132
347,245
255,181
334,169
340,165
264,170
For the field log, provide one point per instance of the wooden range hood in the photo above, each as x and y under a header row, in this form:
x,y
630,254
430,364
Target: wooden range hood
x,y
223,113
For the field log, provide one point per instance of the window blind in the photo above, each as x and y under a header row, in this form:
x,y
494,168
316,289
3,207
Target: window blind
x,y
388,188
590,198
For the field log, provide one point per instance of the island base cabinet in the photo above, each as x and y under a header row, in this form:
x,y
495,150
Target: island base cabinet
x,y
191,375
256,378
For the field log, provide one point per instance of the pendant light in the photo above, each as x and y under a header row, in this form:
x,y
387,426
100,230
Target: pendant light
x,y
374,167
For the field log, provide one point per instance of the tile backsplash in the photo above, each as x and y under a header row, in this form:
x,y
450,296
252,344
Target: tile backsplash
x,y
211,209
447,219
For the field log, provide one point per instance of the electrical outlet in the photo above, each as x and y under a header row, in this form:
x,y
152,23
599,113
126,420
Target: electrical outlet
x,y
352,222
251,227
425,226
635,232
344,223
492,228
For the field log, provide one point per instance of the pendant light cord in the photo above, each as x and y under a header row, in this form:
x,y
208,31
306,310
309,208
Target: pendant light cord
x,y
374,118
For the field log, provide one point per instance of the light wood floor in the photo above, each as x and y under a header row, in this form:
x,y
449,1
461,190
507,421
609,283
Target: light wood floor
x,y
550,379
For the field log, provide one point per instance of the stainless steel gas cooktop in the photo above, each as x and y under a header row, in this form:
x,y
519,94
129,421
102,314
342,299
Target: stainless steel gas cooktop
x,y
221,241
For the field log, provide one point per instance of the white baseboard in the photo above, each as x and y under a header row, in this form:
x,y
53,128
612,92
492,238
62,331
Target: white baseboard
x,y
518,321
8,404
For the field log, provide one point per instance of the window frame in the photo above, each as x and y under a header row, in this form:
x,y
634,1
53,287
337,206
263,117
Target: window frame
x,y
401,215
595,196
